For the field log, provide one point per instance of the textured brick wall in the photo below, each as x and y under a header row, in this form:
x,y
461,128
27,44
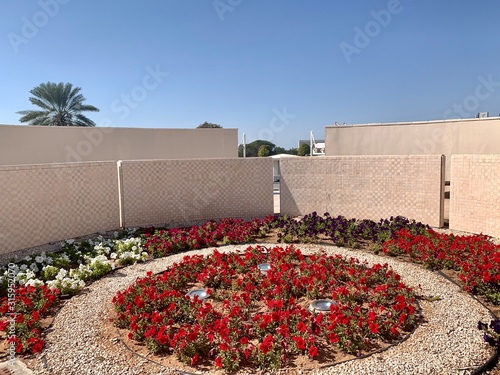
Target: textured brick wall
x,y
365,187
51,202
475,194
183,191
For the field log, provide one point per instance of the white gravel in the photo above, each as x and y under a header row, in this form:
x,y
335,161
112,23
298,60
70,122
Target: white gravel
x,y
447,343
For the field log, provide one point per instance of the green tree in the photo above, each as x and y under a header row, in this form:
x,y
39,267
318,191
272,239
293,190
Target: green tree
x,y
61,105
263,151
209,125
252,149
304,150
281,150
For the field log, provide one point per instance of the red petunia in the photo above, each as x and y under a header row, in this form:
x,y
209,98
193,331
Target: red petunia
x,y
36,344
194,359
373,327
299,341
218,362
313,351
301,327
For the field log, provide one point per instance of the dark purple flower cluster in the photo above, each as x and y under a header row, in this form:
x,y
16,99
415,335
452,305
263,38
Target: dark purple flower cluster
x,y
491,332
342,231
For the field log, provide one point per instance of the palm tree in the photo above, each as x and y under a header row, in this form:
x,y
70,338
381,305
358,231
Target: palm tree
x,y
61,105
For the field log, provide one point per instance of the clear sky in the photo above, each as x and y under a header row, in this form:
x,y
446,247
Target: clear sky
x,y
274,69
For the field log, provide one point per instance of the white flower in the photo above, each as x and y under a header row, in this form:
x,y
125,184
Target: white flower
x,y
34,267
27,259
23,267
62,274
39,259
99,258
112,255
35,282
52,284
70,241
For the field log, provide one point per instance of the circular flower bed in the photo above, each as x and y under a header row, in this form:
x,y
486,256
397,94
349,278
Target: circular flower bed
x,y
262,319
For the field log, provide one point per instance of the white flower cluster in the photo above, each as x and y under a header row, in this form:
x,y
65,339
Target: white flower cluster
x,y
83,272
129,250
54,268
67,285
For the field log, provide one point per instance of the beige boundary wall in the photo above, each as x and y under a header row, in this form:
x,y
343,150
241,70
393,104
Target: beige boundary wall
x,y
475,194
365,187
51,202
446,137
24,144
46,203
182,191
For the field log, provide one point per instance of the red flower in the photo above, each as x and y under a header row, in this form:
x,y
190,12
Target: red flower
x,y
139,302
194,359
373,328
299,341
267,345
36,344
3,325
218,362
313,351
333,338
301,327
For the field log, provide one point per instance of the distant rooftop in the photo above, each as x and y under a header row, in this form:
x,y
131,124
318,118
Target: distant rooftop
x,y
411,123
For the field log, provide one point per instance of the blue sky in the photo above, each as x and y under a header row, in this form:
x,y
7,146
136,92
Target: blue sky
x,y
274,69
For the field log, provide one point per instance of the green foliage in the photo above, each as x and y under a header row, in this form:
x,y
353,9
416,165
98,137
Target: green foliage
x,y
99,269
304,149
50,273
263,151
281,150
209,125
61,105
252,149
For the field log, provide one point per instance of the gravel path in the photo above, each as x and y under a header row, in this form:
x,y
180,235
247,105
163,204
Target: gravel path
x,y
447,343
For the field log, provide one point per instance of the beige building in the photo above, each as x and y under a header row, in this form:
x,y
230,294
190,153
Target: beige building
x,y
447,137
26,144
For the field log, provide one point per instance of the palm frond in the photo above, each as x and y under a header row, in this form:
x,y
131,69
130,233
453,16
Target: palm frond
x,y
62,105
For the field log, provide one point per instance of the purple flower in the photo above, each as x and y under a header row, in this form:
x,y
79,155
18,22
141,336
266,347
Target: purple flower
x,y
490,340
482,326
495,325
